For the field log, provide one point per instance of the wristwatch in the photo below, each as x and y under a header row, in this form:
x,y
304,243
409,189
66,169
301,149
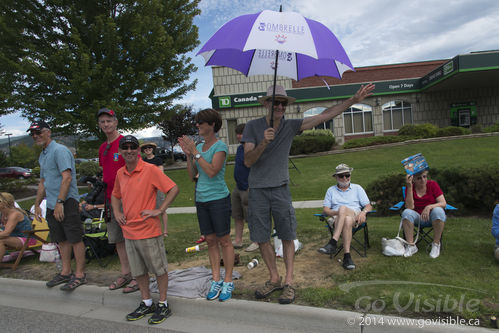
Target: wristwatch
x,y
60,201
197,156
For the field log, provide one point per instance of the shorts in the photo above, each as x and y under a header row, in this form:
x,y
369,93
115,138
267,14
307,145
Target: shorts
x,y
147,256
214,216
32,241
265,203
114,232
71,228
239,201
414,217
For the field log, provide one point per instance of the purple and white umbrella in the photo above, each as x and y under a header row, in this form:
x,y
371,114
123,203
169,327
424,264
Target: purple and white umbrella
x,y
250,44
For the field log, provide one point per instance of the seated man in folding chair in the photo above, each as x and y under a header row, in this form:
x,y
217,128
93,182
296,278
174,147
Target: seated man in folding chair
x,y
424,202
347,205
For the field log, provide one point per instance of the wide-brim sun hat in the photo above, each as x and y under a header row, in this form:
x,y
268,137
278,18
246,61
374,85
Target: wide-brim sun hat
x,y
147,145
341,169
280,93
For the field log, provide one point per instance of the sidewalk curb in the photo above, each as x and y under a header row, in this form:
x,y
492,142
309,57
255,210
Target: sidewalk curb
x,y
257,314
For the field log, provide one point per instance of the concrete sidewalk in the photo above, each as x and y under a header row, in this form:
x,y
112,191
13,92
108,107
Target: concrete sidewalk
x,y
200,315
296,204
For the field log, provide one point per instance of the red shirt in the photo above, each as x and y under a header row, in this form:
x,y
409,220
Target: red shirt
x,y
433,191
110,163
137,191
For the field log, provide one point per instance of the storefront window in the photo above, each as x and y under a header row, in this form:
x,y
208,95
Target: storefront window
x,y
231,131
315,111
396,114
358,119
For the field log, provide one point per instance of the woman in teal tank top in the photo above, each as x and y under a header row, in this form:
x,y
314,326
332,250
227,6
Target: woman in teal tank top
x,y
14,222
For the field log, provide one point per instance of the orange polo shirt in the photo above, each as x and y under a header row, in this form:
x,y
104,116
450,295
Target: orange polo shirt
x,y
137,191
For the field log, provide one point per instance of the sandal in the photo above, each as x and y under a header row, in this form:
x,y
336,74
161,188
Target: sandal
x,y
121,281
58,279
131,287
201,239
74,283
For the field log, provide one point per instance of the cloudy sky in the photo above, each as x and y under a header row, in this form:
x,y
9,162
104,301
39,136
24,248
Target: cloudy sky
x,y
372,32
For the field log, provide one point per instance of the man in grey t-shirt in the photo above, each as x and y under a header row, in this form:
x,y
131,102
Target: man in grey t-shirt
x,y
266,151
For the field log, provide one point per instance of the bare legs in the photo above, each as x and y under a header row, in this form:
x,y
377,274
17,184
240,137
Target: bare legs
x,y
214,254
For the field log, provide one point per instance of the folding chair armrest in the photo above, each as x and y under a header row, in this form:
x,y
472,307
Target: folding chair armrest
x,y
450,207
397,206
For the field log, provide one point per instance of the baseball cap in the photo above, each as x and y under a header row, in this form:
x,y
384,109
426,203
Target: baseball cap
x,y
129,139
38,125
106,111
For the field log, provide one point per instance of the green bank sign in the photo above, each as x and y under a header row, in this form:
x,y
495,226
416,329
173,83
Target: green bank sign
x,y
238,101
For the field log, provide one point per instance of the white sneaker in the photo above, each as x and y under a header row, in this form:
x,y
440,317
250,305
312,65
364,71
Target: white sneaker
x,y
410,250
435,250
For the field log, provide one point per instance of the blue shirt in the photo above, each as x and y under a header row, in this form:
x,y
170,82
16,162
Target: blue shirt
x,y
495,224
53,160
24,225
241,171
354,197
215,188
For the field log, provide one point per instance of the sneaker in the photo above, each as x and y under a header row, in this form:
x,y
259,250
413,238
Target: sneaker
x,y
435,250
268,289
237,246
329,248
215,289
410,250
252,247
141,311
226,293
288,295
162,312
59,279
348,262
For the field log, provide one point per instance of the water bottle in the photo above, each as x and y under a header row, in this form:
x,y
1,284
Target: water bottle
x,y
196,248
253,263
58,262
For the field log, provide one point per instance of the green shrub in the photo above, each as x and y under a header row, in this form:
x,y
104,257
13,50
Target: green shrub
x,y
452,131
374,140
36,171
306,144
493,128
89,168
471,190
419,131
476,128
318,132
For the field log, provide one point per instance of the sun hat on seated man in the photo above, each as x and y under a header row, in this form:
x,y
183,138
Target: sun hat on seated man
x,y
341,169
280,93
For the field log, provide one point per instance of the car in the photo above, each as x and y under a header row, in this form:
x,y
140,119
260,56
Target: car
x,y
15,172
81,160
166,153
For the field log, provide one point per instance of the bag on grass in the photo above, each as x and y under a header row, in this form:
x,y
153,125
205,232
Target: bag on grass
x,y
49,252
395,247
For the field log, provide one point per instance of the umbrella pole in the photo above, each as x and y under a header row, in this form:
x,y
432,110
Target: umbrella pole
x,y
273,90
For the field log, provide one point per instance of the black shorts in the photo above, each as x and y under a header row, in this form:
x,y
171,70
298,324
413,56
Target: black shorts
x,y
71,228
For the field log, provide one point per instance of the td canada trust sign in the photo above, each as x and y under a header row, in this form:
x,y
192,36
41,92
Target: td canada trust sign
x,y
235,101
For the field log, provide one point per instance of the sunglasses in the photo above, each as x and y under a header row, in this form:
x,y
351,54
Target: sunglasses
x,y
283,103
130,147
35,132
107,149
343,175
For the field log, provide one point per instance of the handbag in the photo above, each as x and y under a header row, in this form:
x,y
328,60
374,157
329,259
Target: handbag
x,y
49,252
395,247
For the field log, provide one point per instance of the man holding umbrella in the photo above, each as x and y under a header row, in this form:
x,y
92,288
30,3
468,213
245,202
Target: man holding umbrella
x,y
266,151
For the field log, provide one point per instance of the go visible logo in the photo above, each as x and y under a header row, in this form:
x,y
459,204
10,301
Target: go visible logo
x,y
224,102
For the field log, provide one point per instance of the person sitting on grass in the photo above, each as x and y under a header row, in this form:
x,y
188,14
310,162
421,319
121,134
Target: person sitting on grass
x,y
424,201
347,205
14,221
495,229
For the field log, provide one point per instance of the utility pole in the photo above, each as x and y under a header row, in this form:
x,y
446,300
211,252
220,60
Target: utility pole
x,y
10,152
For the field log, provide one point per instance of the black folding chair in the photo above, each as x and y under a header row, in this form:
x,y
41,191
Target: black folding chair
x,y
96,241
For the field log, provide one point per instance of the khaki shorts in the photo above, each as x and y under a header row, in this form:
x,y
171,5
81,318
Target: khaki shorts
x,y
114,232
239,202
147,256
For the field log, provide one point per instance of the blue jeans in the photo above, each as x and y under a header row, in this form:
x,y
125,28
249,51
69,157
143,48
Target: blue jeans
x,y
414,217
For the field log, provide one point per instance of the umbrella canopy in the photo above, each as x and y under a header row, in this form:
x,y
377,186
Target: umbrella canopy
x,y
249,43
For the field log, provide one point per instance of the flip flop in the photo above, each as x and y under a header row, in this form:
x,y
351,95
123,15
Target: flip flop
x,y
121,281
130,288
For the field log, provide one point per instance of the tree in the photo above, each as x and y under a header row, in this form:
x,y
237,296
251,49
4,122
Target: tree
x,y
62,60
25,156
177,121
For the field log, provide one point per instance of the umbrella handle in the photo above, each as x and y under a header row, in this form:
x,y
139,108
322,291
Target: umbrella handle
x,y
275,80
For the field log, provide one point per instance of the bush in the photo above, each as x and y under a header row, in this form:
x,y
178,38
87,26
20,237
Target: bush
x,y
476,128
305,144
16,187
471,190
452,131
318,132
36,171
493,128
374,140
89,168
419,131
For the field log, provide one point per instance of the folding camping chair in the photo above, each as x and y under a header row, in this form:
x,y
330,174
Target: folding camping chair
x,y
362,242
95,240
40,232
424,229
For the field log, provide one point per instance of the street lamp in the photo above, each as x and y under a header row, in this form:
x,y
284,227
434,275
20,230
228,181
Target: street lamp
x,y
10,152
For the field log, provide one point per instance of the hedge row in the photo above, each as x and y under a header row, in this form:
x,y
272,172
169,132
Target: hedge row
x,y
312,141
471,190
374,140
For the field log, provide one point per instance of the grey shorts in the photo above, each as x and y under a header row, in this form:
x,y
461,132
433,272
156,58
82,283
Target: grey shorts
x,y
239,202
114,232
71,228
147,256
265,203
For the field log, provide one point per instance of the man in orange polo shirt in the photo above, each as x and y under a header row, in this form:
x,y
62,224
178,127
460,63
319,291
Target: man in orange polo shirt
x,y
135,189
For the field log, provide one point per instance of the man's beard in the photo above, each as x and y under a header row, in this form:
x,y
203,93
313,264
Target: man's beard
x,y
343,184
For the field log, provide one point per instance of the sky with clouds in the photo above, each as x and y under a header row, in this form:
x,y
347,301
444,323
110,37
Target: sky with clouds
x,y
372,32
